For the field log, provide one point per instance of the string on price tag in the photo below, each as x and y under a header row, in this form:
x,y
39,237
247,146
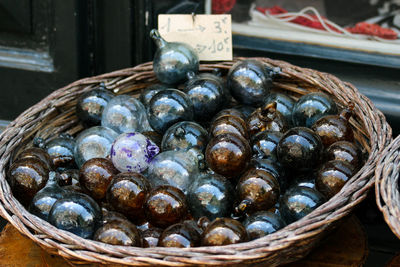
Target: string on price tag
x,y
209,35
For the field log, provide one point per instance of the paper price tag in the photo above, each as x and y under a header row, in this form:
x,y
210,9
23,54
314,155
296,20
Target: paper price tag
x,y
209,35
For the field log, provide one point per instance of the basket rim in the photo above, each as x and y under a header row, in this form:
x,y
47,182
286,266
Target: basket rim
x,y
387,174
317,221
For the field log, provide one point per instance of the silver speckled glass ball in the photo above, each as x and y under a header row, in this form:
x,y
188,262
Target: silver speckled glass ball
x,y
124,114
94,142
176,168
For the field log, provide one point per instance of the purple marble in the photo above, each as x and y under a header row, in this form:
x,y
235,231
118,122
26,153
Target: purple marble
x,y
133,152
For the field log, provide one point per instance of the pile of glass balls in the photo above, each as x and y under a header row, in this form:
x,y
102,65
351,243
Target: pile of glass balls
x,y
221,160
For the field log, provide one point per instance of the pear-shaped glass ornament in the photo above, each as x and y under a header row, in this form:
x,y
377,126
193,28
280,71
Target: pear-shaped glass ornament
x,y
173,60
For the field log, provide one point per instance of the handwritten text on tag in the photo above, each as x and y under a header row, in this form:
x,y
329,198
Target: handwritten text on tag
x,y
209,35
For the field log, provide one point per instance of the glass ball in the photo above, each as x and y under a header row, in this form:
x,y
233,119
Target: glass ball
x,y
228,124
169,107
150,91
210,195
172,60
76,213
257,190
245,110
300,148
94,142
165,205
61,151
124,114
284,104
304,179
309,108
231,112
264,144
184,135
208,94
175,168
224,231
228,154
109,215
266,118
345,151
262,223
95,176
298,202
151,237
250,81
127,194
333,128
132,152
37,153
332,176
26,177
181,235
119,232
91,104
44,199
272,166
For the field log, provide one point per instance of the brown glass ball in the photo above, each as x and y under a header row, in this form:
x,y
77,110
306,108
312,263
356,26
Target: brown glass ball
x,y
257,190
151,237
266,118
95,176
334,128
165,205
127,194
26,177
109,216
181,235
228,154
38,153
119,232
231,112
345,151
228,124
332,176
224,231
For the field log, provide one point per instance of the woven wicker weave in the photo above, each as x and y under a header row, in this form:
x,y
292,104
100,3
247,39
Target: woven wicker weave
x,y
387,175
55,114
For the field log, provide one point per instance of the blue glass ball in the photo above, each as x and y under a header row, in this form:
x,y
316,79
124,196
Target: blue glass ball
x,y
262,223
250,81
173,60
298,202
208,94
76,213
210,195
169,107
309,108
184,135
91,104
284,104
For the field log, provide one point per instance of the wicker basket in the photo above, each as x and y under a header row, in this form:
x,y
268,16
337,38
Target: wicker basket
x,y
387,175
55,114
